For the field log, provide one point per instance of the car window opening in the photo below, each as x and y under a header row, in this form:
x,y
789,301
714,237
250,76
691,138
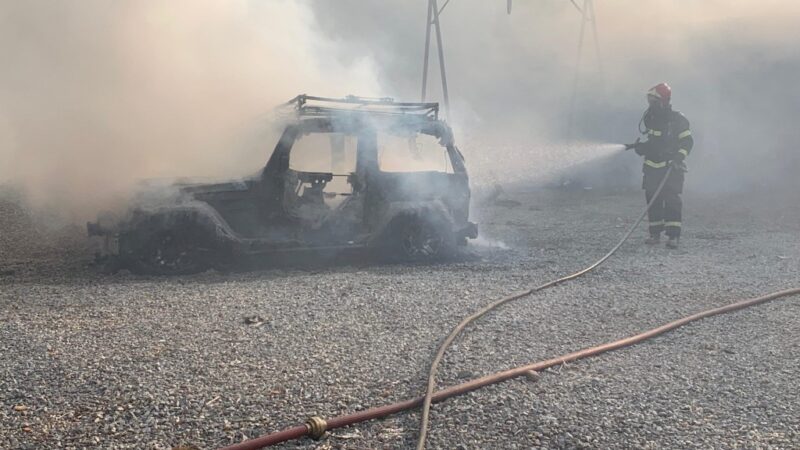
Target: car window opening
x,y
412,152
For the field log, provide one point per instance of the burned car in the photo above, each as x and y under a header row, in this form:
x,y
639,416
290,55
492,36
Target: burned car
x,y
350,173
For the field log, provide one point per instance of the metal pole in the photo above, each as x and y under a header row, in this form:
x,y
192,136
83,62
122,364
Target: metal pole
x,y
596,40
427,51
441,57
571,116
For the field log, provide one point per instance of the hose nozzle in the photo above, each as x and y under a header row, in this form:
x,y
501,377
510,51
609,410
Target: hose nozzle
x,y
634,145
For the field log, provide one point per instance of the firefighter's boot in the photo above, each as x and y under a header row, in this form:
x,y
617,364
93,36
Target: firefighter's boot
x,y
654,239
673,242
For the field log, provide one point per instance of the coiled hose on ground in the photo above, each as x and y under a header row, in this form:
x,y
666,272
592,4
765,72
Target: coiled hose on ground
x,y
315,427
426,405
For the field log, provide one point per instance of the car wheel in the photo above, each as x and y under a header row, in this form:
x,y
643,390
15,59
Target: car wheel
x,y
171,253
415,238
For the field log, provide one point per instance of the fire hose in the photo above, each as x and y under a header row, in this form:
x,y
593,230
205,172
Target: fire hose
x,y
426,405
315,427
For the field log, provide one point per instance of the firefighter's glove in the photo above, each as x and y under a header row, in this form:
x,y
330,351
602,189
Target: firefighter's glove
x,y
678,165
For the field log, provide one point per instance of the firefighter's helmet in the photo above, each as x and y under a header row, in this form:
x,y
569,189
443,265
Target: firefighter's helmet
x,y
660,92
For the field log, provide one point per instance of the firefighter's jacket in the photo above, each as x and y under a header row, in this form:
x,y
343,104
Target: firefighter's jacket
x,y
668,139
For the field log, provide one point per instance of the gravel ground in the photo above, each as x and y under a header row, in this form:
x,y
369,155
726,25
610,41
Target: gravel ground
x,y
121,361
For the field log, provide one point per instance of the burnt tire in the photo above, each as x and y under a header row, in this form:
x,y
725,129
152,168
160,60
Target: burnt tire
x,y
417,238
171,252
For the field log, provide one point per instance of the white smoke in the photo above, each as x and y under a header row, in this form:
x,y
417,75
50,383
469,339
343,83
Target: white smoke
x,y
95,95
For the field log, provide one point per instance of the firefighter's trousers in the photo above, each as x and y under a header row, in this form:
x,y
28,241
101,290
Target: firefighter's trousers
x,y
665,214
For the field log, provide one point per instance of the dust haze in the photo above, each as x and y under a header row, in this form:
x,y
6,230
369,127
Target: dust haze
x,y
96,95
733,67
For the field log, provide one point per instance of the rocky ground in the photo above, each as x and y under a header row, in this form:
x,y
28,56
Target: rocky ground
x,y
121,361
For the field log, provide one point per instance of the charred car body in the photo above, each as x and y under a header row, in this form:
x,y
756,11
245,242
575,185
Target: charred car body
x,y
346,173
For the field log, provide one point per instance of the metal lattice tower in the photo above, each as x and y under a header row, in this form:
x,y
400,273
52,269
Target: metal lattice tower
x,y
433,22
588,17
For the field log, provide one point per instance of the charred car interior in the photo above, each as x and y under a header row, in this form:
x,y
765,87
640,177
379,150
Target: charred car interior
x,y
350,173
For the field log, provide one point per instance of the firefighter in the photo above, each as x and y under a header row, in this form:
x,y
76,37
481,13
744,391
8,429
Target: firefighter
x,y
669,142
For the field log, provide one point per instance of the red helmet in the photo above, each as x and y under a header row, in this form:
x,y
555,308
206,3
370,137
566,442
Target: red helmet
x,y
662,92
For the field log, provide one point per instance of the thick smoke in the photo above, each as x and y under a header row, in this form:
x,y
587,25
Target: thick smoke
x,y
733,66
96,95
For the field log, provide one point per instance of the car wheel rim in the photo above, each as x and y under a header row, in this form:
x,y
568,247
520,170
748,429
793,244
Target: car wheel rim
x,y
171,253
420,241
